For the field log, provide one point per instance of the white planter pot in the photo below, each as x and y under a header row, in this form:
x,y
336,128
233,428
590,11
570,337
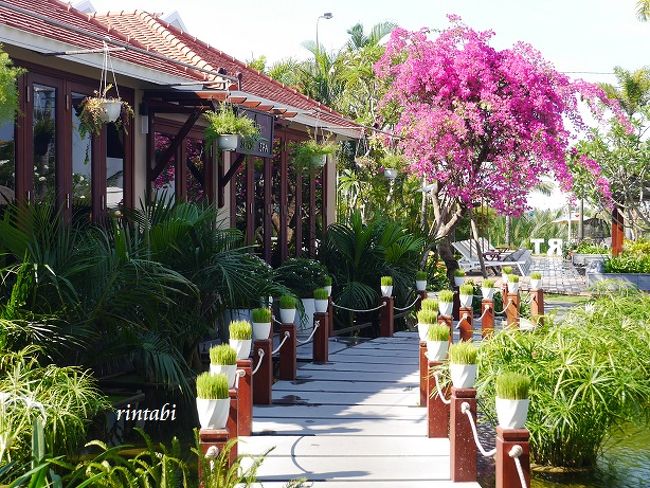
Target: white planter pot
x,y
423,331
287,315
504,277
243,348
437,350
261,330
321,305
488,293
229,370
459,280
535,284
228,142
421,285
213,414
513,287
512,414
319,161
390,173
445,308
329,289
463,375
387,291
111,110
466,301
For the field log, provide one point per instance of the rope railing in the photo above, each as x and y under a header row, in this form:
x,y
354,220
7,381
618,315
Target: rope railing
x,y
407,308
287,334
487,309
444,400
465,408
276,320
515,453
260,353
240,374
357,310
504,308
311,336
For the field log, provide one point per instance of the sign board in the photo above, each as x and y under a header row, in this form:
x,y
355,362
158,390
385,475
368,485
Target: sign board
x,y
554,246
263,144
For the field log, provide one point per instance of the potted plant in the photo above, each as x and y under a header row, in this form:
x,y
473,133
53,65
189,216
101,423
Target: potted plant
x,y
429,304
287,305
223,360
261,318
487,289
321,300
462,364
241,335
466,295
446,302
226,127
327,284
513,283
426,318
437,342
459,277
505,272
387,286
421,280
512,400
102,109
535,280
212,400
312,154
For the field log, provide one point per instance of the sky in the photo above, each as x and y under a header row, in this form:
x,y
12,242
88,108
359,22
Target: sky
x,y
589,36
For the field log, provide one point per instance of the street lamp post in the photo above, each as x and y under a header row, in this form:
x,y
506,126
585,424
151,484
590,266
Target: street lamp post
x,y
326,16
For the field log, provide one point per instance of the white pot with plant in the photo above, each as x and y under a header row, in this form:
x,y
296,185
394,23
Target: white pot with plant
x,y
513,283
225,127
506,271
241,338
446,303
421,280
223,360
462,364
466,292
437,342
287,305
487,289
102,109
387,286
321,300
212,400
426,318
459,277
312,154
535,280
512,400
327,284
261,318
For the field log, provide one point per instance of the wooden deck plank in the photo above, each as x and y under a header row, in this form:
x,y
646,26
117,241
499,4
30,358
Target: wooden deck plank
x,y
351,398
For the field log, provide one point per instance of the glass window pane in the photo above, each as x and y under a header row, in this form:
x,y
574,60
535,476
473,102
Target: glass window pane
x,y
81,160
44,144
7,165
114,167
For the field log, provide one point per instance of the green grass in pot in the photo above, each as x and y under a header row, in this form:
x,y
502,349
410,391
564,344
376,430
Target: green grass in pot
x,y
438,333
327,281
212,387
261,315
223,354
459,273
321,294
488,283
513,278
429,304
287,302
507,270
535,275
241,330
467,289
512,386
421,276
427,317
386,281
463,353
446,296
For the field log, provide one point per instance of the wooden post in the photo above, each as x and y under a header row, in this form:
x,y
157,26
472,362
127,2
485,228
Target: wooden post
x,y
209,438
512,313
437,410
618,234
386,314
504,292
537,303
463,449
424,373
288,353
321,338
422,295
456,306
449,323
263,378
245,398
232,425
330,317
487,322
466,324
506,470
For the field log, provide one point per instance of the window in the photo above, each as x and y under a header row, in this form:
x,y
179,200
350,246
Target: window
x,y
81,161
7,165
114,167
44,142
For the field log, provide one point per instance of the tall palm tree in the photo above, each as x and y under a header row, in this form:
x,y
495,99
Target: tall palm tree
x,y
633,89
359,39
643,10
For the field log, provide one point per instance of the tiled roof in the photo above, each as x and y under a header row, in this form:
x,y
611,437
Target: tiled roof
x,y
166,39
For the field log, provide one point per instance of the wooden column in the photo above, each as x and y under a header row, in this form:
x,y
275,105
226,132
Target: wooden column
x,y
321,338
263,378
463,449
288,353
537,303
437,410
386,314
465,323
330,317
618,234
506,470
209,438
424,373
232,425
449,323
487,322
512,313
422,295
245,398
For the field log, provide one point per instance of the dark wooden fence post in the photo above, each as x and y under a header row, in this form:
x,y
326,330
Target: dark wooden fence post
x,y
263,377
330,317
288,352
506,469
232,425
466,324
424,372
512,312
321,338
437,409
487,322
448,321
537,303
245,398
463,449
208,438
387,317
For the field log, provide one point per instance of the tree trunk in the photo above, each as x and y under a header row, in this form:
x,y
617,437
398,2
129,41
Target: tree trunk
x,y
507,236
480,251
447,255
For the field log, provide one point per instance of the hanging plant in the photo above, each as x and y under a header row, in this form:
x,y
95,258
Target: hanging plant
x,y
311,154
99,110
226,127
8,88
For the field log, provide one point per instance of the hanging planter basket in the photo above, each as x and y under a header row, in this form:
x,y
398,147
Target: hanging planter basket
x,y
111,109
227,127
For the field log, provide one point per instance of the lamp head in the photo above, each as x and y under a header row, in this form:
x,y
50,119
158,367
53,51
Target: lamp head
x,y
327,15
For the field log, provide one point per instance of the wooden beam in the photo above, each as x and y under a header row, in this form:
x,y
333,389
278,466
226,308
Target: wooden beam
x,y
251,104
163,160
233,169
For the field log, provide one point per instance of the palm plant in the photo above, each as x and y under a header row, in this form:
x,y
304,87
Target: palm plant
x,y
643,10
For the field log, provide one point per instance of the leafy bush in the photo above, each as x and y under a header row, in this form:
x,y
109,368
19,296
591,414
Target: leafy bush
x,y
261,315
467,289
588,247
438,332
287,302
301,276
241,330
421,276
223,354
427,317
321,294
640,246
628,263
589,374
429,304
535,275
446,296
512,386
463,353
212,386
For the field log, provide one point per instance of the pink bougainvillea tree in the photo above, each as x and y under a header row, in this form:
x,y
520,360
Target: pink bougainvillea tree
x,y
481,125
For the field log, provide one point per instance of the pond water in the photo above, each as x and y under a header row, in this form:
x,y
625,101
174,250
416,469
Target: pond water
x,y
625,463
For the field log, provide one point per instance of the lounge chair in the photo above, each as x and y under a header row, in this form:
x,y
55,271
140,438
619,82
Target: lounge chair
x,y
493,258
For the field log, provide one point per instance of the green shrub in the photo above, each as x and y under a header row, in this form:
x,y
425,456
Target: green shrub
x,y
212,386
513,278
459,273
261,315
427,317
241,330
487,283
512,386
438,332
327,281
507,270
287,302
321,294
467,289
535,275
463,353
421,276
640,246
223,354
386,281
628,263
446,296
301,276
429,304
226,121
586,247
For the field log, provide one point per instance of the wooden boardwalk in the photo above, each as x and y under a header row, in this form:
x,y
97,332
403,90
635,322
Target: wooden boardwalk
x,y
353,422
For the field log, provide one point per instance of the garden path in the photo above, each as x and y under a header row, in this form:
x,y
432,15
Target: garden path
x,y
352,422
